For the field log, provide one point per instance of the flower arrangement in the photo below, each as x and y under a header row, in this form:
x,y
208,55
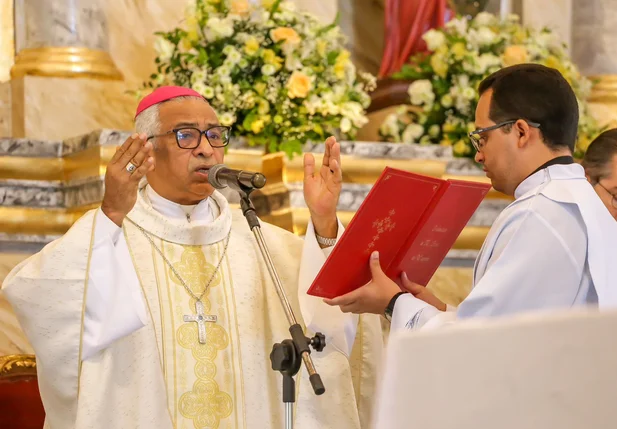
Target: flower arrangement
x,y
278,76
444,95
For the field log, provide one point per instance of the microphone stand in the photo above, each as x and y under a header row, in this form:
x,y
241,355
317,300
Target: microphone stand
x,y
286,357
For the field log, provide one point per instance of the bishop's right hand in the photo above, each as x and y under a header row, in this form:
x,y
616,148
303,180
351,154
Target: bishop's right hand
x,y
132,161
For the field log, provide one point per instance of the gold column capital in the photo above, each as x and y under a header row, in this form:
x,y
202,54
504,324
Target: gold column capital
x,y
604,89
65,61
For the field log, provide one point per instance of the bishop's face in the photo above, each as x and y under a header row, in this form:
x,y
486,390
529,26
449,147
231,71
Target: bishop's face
x,y
179,173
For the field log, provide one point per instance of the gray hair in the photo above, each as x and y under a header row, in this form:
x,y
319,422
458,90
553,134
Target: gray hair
x,y
148,122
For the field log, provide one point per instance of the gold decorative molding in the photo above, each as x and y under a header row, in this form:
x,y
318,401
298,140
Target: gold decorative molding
x,y
39,221
492,193
604,90
17,365
279,170
65,62
366,170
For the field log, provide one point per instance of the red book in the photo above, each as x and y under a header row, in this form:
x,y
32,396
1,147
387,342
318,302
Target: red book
x,y
412,220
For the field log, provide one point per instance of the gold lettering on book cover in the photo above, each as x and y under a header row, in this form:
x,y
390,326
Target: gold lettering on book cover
x,y
381,226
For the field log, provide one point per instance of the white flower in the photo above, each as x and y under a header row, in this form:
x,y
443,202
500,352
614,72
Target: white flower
x,y
268,69
292,63
223,70
421,93
227,119
164,48
345,125
434,39
412,133
355,112
447,101
458,26
469,93
217,28
234,57
485,19
434,130
483,37
208,92
200,87
199,76
390,127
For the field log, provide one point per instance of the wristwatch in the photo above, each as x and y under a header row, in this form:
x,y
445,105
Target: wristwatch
x,y
390,308
328,242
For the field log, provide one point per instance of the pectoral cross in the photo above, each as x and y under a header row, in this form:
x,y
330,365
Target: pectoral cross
x,y
200,318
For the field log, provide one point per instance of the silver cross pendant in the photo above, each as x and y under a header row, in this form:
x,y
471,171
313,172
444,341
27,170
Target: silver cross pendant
x,y
200,318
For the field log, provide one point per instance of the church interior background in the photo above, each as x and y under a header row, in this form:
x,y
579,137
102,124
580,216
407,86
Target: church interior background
x,y
67,69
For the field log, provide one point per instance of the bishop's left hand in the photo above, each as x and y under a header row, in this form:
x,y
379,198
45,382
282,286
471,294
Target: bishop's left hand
x,y
373,297
322,188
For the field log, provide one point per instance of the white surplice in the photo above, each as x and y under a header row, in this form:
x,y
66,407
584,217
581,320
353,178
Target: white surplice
x,y
102,293
554,247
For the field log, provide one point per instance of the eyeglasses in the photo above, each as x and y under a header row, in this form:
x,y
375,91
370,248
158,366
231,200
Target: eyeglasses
x,y
190,138
614,196
476,138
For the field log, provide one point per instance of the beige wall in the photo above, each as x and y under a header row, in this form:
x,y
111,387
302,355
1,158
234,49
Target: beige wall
x,y
7,42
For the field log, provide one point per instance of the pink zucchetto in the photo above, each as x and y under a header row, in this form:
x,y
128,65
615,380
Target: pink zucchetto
x,y
165,93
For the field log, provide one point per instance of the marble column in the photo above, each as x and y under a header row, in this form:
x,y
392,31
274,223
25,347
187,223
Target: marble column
x,y
593,49
65,38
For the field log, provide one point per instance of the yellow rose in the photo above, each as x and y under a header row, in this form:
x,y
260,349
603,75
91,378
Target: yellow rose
x,y
260,88
583,143
270,57
264,107
298,85
520,36
287,34
341,63
460,148
448,128
515,54
322,47
439,65
240,7
257,126
459,50
446,141
251,46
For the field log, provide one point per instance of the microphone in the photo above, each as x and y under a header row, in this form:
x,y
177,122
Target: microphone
x,y
220,176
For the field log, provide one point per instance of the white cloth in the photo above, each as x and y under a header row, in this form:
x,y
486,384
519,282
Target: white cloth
x,y
112,311
115,308
554,247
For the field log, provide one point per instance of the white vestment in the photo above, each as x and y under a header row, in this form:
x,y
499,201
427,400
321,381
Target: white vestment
x,y
105,294
554,247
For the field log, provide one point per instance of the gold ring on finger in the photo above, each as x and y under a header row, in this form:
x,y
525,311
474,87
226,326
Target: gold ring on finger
x,y
130,167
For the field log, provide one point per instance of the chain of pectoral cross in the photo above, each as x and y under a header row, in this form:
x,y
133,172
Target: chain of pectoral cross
x,y
200,317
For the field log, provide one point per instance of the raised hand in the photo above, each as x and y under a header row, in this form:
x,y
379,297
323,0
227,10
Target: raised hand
x,y
129,164
322,188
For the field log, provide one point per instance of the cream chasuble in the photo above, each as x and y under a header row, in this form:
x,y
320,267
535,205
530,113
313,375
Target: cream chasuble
x,y
161,376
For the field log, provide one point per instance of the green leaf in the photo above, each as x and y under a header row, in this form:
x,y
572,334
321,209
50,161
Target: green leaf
x,y
332,56
275,7
291,147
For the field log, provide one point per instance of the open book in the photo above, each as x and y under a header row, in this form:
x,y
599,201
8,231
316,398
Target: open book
x,y
412,220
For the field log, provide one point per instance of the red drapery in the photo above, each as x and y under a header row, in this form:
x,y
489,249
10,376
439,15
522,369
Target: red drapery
x,y
406,22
